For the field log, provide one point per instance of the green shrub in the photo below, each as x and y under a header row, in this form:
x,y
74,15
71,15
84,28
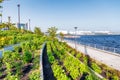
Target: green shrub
x,y
18,49
27,56
12,77
33,48
96,68
59,73
35,62
115,78
88,77
73,53
85,59
51,59
78,55
34,75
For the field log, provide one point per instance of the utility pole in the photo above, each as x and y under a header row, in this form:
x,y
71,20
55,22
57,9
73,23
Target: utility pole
x,y
75,38
9,19
18,15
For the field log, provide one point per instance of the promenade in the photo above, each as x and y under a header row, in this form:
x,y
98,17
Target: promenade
x,y
104,57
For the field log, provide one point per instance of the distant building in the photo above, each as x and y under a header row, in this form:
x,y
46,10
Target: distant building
x,y
102,32
62,31
23,26
73,32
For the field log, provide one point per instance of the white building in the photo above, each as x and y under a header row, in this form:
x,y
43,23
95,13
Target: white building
x,y
102,32
73,32
62,31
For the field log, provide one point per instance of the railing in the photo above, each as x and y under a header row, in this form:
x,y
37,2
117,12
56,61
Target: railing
x,y
96,46
10,48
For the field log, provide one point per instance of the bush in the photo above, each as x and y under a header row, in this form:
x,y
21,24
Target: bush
x,y
115,78
73,53
34,75
51,59
96,68
27,56
12,77
18,49
88,77
78,55
85,59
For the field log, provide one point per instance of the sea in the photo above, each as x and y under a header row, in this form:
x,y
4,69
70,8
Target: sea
x,y
107,42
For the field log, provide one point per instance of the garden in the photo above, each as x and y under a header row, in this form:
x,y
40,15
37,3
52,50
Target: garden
x,y
22,63
69,64
64,62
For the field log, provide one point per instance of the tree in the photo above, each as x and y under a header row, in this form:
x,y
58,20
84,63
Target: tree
x,y
52,32
3,25
61,36
37,31
1,2
1,6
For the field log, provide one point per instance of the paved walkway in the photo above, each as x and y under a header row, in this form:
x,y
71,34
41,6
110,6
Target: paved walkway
x,y
104,57
10,48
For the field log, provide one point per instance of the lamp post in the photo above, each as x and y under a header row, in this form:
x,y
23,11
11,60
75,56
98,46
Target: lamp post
x,y
9,19
18,15
75,37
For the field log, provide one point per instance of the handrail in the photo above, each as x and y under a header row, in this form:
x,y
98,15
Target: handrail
x,y
96,46
9,47
6,48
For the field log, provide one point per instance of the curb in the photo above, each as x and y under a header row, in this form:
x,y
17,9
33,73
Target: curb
x,y
41,62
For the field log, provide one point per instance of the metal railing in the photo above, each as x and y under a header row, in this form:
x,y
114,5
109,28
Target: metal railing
x,y
97,46
8,48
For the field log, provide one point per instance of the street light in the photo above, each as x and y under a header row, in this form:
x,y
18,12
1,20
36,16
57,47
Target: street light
x,y
75,37
9,19
18,15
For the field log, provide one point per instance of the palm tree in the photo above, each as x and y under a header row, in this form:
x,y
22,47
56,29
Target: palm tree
x,y
1,1
52,32
37,31
61,36
1,6
3,25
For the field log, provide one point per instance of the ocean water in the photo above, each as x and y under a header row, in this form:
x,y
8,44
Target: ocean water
x,y
108,41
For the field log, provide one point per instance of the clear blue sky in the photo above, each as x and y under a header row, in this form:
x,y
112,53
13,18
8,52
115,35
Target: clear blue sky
x,y
66,14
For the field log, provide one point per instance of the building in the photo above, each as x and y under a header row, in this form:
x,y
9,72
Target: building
x,y
102,32
77,32
23,26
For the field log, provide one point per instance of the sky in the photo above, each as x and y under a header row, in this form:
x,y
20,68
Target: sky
x,y
89,15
